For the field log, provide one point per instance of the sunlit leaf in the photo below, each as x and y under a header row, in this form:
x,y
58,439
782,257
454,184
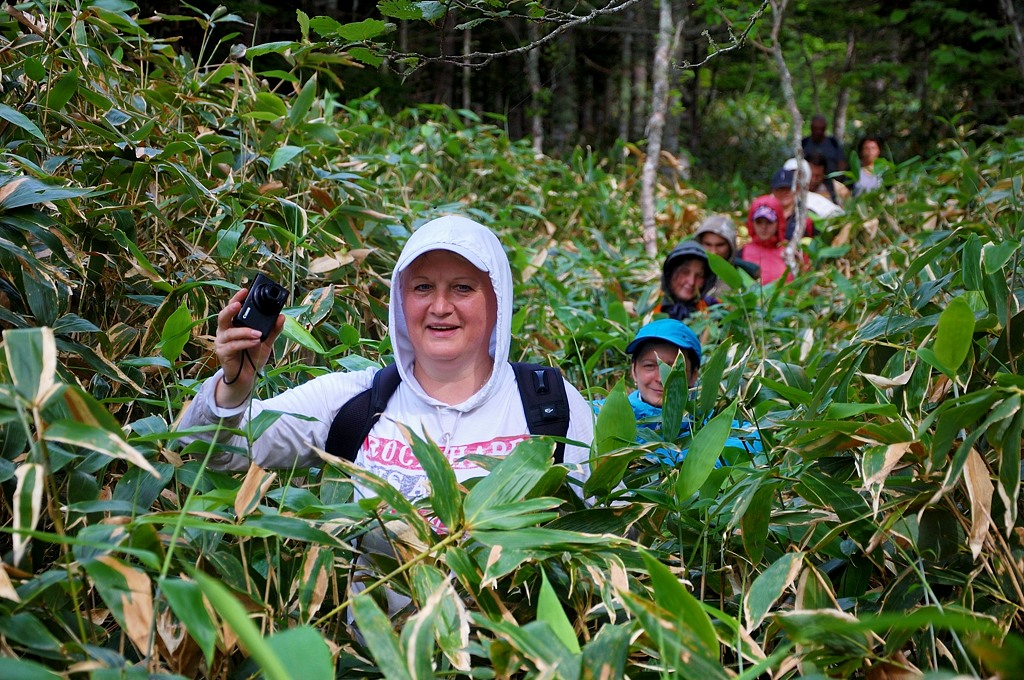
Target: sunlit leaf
x,y
954,334
28,504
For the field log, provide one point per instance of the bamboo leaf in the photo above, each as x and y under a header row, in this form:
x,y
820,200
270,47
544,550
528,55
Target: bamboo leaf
x,y
549,610
616,424
954,335
769,586
274,665
283,156
32,361
676,400
186,601
511,480
691,620
704,451
301,105
28,504
22,121
445,495
21,191
176,333
98,440
21,669
303,651
380,638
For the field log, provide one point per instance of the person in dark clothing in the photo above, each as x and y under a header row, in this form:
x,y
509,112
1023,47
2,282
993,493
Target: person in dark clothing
x,y
686,279
829,147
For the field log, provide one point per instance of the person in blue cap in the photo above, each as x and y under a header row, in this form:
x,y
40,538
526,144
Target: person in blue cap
x,y
667,340
664,340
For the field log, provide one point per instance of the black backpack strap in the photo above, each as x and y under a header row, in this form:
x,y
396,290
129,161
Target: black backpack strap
x,y
356,417
545,403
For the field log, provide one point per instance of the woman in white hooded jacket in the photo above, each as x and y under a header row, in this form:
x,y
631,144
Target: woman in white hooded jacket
x,y
450,324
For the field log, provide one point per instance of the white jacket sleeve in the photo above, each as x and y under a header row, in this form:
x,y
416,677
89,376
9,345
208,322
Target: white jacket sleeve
x,y
306,413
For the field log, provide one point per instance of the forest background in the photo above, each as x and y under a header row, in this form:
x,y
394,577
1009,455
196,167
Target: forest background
x,y
154,161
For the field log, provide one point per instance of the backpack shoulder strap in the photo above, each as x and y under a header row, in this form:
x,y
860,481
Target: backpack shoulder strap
x,y
545,403
356,417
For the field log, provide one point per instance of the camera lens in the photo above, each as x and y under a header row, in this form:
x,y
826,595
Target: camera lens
x,y
269,298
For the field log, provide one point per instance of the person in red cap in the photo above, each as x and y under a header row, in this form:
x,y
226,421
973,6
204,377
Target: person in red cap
x,y
766,223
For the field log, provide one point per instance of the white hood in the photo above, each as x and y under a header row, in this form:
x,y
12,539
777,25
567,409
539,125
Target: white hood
x,y
481,248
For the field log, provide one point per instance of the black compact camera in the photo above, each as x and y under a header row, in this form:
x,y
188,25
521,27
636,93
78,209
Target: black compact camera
x,y
262,305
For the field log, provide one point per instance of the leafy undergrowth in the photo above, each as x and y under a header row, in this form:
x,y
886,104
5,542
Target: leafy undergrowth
x,y
877,534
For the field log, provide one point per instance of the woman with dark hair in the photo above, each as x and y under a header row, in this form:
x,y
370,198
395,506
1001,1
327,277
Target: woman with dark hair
x,y
869,149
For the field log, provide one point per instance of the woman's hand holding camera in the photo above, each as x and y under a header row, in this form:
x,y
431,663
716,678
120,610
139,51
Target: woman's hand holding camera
x,y
241,352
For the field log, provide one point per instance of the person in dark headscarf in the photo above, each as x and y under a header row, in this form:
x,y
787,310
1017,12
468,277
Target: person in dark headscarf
x,y
686,279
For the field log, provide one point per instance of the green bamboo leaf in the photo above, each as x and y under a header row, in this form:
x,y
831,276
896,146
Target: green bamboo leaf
x,y
62,91
384,491
606,653
616,423
511,480
277,47
538,643
711,378
725,271
21,120
283,156
303,102
35,70
754,522
417,637
704,451
375,627
297,333
691,620
676,400
186,601
304,652
268,102
21,669
176,333
28,505
451,624
954,335
17,192
549,610
769,586
997,254
1008,444
99,440
971,261
274,665
445,496
32,362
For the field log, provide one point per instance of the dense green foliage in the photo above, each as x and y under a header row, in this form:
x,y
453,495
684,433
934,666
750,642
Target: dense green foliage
x,y
139,186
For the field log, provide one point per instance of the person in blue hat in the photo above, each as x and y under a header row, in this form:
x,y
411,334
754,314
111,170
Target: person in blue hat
x,y
666,340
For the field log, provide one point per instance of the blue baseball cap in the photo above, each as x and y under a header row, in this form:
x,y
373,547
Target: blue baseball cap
x,y
671,331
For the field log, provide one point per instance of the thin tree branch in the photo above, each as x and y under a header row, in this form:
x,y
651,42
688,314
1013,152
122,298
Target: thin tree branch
x,y
481,59
735,44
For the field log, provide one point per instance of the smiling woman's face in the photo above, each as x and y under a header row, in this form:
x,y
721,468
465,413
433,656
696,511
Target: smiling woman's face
x,y
647,373
450,310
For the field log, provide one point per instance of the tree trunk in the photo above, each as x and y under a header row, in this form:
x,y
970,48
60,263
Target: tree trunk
x,y
1018,36
655,127
843,98
793,247
467,72
533,80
